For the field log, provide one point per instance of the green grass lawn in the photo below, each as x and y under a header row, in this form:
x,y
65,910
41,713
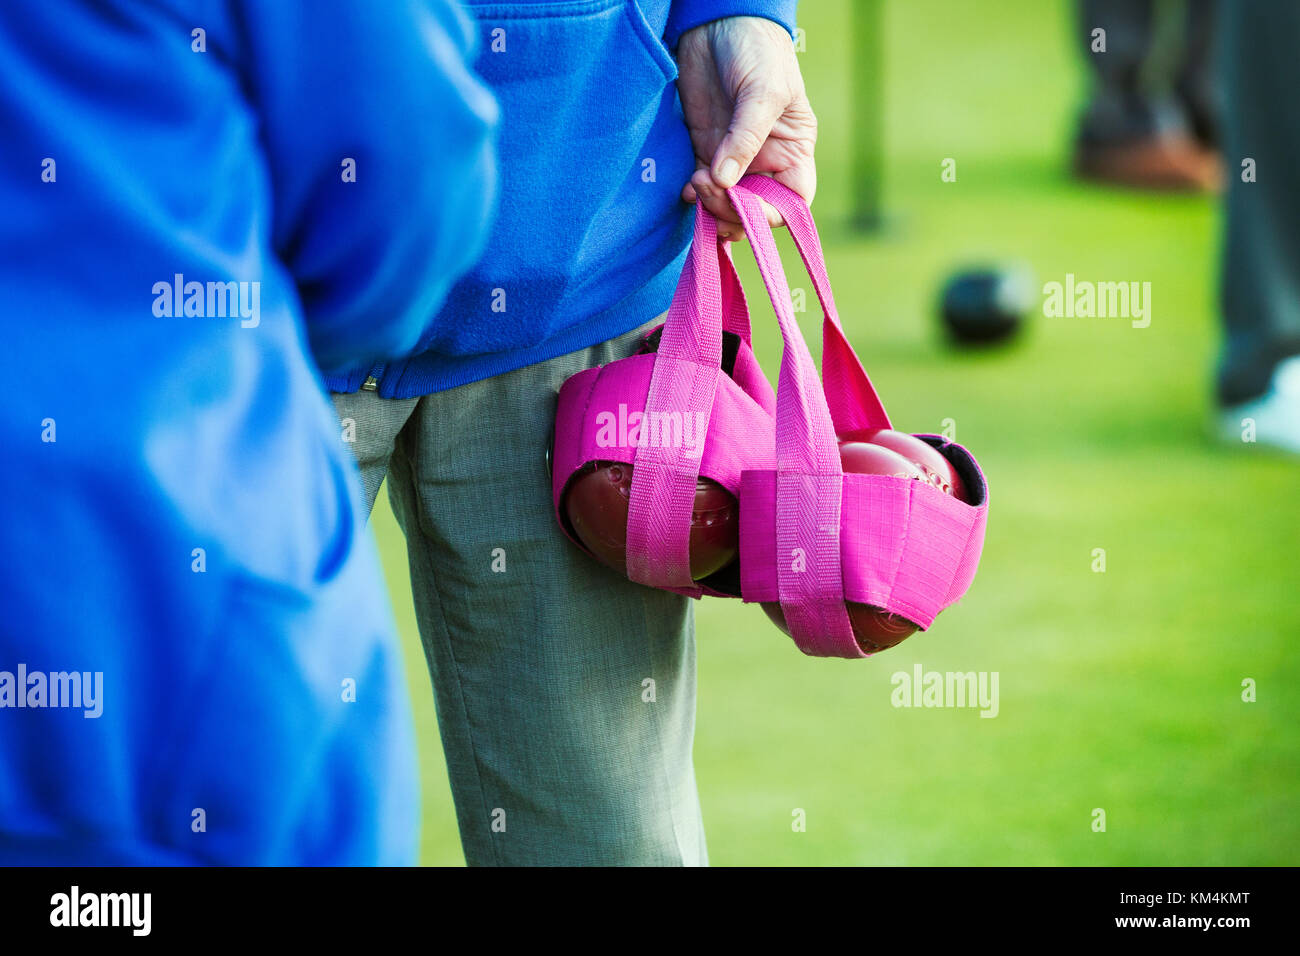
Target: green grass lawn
x,y
1118,690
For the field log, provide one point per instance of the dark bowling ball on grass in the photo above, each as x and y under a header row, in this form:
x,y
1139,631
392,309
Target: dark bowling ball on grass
x,y
597,504
986,306
876,629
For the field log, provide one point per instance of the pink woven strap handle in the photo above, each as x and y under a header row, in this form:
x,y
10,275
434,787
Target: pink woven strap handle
x,y
735,310
850,395
809,478
709,299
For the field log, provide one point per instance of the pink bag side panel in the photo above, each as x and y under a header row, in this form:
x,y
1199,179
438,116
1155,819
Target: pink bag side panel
x,y
934,529
567,440
753,382
742,435
593,417
873,538
906,546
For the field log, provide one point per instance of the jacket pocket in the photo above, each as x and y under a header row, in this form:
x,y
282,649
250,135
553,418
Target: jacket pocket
x,y
567,28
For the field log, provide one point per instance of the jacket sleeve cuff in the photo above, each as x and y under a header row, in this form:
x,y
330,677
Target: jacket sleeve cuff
x,y
687,14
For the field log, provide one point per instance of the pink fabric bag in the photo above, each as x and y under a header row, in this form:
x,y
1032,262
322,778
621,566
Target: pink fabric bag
x,y
683,381
811,537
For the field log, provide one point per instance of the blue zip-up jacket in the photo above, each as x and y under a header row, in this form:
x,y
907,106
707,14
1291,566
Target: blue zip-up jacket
x,y
197,657
591,232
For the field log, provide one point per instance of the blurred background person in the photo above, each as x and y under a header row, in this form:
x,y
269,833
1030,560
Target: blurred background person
x,y
1152,116
1259,367
196,649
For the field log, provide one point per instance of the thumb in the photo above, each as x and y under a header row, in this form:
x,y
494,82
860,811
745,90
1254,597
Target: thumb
x,y
757,111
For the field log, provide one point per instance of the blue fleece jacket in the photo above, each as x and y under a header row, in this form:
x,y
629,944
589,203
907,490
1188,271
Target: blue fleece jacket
x,y
590,231
197,658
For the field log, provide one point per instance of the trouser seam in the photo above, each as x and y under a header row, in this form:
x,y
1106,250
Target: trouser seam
x,y
662,749
423,520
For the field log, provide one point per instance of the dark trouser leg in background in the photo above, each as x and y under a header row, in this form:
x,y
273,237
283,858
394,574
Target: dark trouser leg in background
x,y
1118,109
1147,85
1261,251
1197,80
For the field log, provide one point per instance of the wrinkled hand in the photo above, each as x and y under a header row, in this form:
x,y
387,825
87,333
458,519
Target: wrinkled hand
x,y
747,111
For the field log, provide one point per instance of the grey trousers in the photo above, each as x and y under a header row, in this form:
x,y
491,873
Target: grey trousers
x,y
565,694
1260,288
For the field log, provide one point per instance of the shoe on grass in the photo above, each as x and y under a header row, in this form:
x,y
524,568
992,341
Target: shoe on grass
x,y
1273,418
1170,162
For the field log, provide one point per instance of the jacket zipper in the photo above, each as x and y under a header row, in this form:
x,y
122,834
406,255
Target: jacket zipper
x,y
371,384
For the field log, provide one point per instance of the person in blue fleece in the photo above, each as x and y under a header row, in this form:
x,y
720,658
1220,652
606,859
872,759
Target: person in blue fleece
x,y
566,694
197,658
